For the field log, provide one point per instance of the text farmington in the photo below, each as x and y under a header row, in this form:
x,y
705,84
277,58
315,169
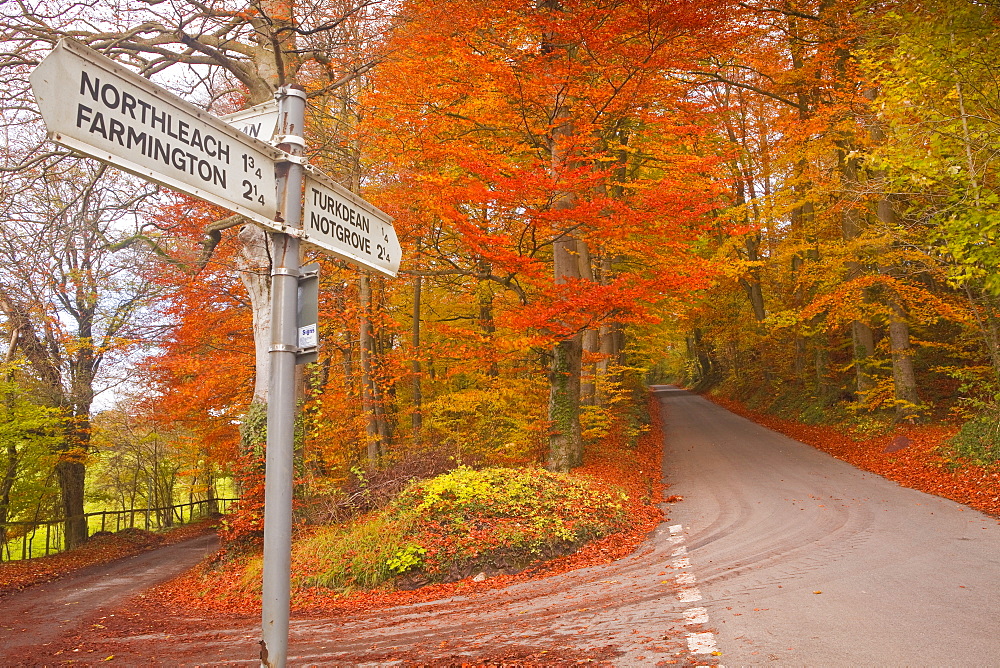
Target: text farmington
x,y
129,136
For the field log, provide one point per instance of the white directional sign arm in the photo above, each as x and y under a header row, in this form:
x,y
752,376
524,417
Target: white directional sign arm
x,y
340,222
258,121
95,106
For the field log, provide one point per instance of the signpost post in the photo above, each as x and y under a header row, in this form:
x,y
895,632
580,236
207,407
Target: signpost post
x,y
281,392
98,108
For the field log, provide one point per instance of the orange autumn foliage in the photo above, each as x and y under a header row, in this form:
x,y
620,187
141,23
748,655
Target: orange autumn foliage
x,y
202,376
467,161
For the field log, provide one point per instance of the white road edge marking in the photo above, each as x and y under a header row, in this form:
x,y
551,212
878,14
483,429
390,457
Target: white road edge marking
x,y
696,616
689,595
698,643
702,643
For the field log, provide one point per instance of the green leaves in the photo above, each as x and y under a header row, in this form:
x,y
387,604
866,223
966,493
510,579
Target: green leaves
x,y
406,558
29,433
493,518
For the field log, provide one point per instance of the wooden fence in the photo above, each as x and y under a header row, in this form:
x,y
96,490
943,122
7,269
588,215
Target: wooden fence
x,y
26,540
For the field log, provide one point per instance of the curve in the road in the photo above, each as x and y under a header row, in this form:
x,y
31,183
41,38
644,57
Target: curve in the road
x,y
806,560
787,555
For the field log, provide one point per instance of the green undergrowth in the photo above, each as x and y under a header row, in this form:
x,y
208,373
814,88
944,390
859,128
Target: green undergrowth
x,y
459,523
977,442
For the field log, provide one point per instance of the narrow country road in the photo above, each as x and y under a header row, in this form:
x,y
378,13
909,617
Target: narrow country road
x,y
804,560
45,615
778,554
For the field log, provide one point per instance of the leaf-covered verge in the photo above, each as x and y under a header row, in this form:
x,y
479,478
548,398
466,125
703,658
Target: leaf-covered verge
x,y
100,549
460,530
922,457
458,524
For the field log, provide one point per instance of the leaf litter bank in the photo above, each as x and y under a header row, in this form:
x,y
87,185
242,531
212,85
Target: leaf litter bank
x,y
914,456
609,463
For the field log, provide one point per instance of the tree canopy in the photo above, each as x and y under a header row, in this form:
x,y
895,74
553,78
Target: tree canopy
x,y
793,203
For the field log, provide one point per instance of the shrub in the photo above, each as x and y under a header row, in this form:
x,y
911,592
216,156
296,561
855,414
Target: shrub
x,y
978,441
466,520
362,555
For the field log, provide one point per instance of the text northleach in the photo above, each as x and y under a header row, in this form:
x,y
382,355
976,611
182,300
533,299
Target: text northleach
x,y
151,146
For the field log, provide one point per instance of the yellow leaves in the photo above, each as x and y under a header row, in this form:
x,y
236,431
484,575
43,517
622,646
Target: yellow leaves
x,y
875,299
780,319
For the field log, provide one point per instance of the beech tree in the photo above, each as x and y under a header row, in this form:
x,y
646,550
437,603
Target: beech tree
x,y
536,143
213,53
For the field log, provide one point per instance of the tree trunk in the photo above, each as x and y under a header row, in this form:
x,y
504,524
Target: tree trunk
x,y
589,343
486,320
213,501
9,478
822,359
564,406
862,337
565,442
71,472
751,282
704,359
863,343
254,265
606,339
588,382
417,416
801,218
374,447
903,375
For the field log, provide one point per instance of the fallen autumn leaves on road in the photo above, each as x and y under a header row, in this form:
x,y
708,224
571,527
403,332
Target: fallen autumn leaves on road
x,y
916,462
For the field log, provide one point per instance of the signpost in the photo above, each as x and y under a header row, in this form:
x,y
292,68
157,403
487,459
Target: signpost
x,y
259,121
98,108
101,109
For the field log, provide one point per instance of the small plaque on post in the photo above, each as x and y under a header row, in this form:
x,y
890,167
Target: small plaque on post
x,y
308,315
307,336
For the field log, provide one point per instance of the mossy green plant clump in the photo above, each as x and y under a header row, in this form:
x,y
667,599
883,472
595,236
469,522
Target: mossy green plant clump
x,y
461,523
977,442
